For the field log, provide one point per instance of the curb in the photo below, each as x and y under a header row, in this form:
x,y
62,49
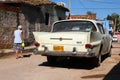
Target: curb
x,y
11,50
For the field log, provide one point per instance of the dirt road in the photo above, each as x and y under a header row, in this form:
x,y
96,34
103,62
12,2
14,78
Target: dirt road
x,y
35,67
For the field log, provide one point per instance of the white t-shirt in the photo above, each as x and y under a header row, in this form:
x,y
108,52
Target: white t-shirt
x,y
17,38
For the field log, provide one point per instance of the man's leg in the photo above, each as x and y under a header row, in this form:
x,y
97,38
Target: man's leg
x,y
21,54
17,54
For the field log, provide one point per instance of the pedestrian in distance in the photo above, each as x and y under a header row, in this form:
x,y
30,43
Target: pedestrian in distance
x,y
18,42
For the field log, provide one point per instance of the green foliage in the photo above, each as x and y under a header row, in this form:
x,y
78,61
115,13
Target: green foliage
x,y
116,19
91,13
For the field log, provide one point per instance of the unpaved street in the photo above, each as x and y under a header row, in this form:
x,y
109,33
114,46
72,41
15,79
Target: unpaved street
x,y
35,67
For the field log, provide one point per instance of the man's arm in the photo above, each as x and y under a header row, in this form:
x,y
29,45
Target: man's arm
x,y
22,38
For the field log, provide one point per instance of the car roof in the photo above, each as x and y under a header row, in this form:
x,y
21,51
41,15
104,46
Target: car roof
x,y
94,21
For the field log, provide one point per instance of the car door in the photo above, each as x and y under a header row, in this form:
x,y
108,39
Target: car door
x,y
105,41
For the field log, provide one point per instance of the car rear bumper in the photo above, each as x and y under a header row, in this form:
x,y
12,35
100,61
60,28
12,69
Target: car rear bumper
x,y
69,54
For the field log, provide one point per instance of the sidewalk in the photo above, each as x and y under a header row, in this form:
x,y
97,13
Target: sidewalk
x,y
11,50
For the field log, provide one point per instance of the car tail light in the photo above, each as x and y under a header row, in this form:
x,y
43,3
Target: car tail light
x,y
36,44
88,46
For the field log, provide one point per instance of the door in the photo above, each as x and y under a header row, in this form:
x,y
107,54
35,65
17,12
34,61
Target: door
x,y
104,39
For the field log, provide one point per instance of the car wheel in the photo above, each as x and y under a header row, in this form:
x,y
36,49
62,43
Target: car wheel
x,y
109,53
51,59
97,61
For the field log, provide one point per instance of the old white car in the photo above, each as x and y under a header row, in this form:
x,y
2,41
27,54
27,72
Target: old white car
x,y
81,38
114,38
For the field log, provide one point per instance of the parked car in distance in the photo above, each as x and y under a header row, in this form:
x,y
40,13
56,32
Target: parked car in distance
x,y
115,38
119,30
81,38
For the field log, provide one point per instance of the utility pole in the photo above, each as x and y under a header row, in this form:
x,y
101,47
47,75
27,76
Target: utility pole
x,y
114,26
69,5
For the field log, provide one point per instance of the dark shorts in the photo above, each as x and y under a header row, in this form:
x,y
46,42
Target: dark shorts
x,y
17,46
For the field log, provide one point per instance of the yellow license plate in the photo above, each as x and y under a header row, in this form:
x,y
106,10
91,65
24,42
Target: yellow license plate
x,y
58,48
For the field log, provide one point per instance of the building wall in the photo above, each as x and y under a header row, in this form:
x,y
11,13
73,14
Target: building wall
x,y
60,14
55,14
7,27
10,19
32,18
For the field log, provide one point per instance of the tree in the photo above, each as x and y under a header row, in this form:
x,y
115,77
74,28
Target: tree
x,y
116,19
91,13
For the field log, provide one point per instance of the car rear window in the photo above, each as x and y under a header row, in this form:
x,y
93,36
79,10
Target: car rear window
x,y
73,26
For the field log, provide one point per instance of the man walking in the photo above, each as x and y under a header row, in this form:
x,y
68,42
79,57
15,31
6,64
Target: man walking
x,y
18,40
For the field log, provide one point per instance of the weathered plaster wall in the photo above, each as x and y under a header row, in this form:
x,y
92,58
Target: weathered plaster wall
x,y
7,27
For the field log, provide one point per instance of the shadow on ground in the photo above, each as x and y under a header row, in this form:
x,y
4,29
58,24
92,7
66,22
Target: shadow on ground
x,y
114,74
6,54
75,63
26,55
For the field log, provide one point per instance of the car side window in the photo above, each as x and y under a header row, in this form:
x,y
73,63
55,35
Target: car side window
x,y
101,28
94,28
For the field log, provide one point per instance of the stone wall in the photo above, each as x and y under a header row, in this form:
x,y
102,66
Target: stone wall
x,y
6,37
7,26
9,20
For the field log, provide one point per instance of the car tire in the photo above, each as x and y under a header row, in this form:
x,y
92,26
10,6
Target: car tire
x,y
97,61
109,53
51,59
